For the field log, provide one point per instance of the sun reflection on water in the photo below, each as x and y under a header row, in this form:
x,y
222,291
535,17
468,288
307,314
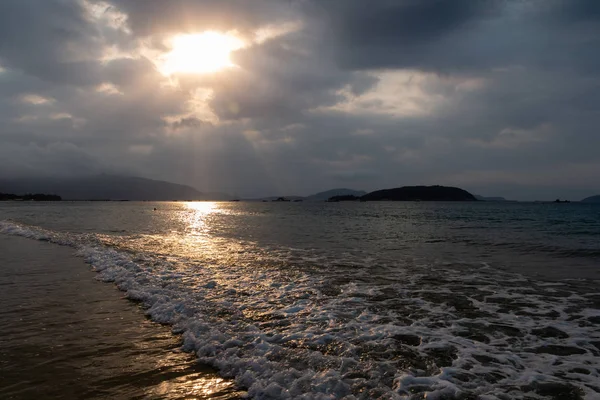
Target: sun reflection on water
x,y
198,217
199,239
197,386
203,208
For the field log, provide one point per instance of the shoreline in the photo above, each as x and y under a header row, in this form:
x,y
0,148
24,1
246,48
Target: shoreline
x,y
68,335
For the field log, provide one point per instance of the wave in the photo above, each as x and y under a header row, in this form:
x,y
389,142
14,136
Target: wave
x,y
427,331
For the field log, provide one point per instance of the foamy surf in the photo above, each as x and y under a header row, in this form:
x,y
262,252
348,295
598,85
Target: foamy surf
x,y
428,331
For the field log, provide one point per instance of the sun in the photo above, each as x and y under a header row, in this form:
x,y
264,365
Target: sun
x,y
200,53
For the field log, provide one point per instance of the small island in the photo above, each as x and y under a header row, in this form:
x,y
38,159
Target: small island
x,y
346,197
420,193
29,197
592,199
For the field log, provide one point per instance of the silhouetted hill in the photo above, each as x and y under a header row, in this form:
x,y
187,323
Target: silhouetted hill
x,y
108,187
27,197
423,193
592,199
322,196
345,197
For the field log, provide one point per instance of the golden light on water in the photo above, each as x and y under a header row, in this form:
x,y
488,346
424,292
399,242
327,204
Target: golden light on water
x,y
200,53
200,385
202,207
201,210
197,219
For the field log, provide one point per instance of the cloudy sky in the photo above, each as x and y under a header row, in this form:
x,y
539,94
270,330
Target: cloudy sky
x,y
501,97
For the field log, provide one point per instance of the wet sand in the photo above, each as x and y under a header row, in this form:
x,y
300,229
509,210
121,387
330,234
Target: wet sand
x,y
65,335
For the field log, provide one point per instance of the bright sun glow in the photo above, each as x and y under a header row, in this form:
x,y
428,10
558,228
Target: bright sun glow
x,y
200,53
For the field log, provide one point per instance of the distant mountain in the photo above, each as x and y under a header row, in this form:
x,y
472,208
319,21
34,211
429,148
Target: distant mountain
x,y
274,198
108,187
323,196
345,197
592,199
420,193
483,198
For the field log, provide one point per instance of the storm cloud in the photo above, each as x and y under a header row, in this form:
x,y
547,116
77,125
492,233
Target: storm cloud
x,y
497,96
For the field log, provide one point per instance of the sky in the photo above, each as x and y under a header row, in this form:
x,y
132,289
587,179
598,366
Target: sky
x,y
500,97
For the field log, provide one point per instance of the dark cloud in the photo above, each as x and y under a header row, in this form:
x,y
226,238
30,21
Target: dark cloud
x,y
388,34
399,23
50,39
189,122
578,10
462,35
276,81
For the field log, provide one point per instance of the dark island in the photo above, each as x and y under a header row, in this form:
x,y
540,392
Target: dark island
x,y
420,193
346,197
29,197
592,199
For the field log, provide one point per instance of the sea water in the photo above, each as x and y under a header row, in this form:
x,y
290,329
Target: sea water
x,y
356,300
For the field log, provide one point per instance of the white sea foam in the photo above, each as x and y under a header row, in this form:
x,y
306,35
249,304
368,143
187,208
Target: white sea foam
x,y
434,333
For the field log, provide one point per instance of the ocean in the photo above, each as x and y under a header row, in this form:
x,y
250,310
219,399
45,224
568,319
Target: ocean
x,y
352,300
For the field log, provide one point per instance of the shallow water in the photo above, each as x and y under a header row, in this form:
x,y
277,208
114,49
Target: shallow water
x,y
357,300
64,335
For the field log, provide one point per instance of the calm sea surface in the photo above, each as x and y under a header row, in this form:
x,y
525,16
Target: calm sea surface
x,y
356,300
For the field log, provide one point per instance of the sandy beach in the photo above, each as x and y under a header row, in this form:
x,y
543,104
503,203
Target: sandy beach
x,y
64,334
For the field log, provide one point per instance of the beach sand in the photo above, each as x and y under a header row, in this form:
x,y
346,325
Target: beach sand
x,y
64,334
